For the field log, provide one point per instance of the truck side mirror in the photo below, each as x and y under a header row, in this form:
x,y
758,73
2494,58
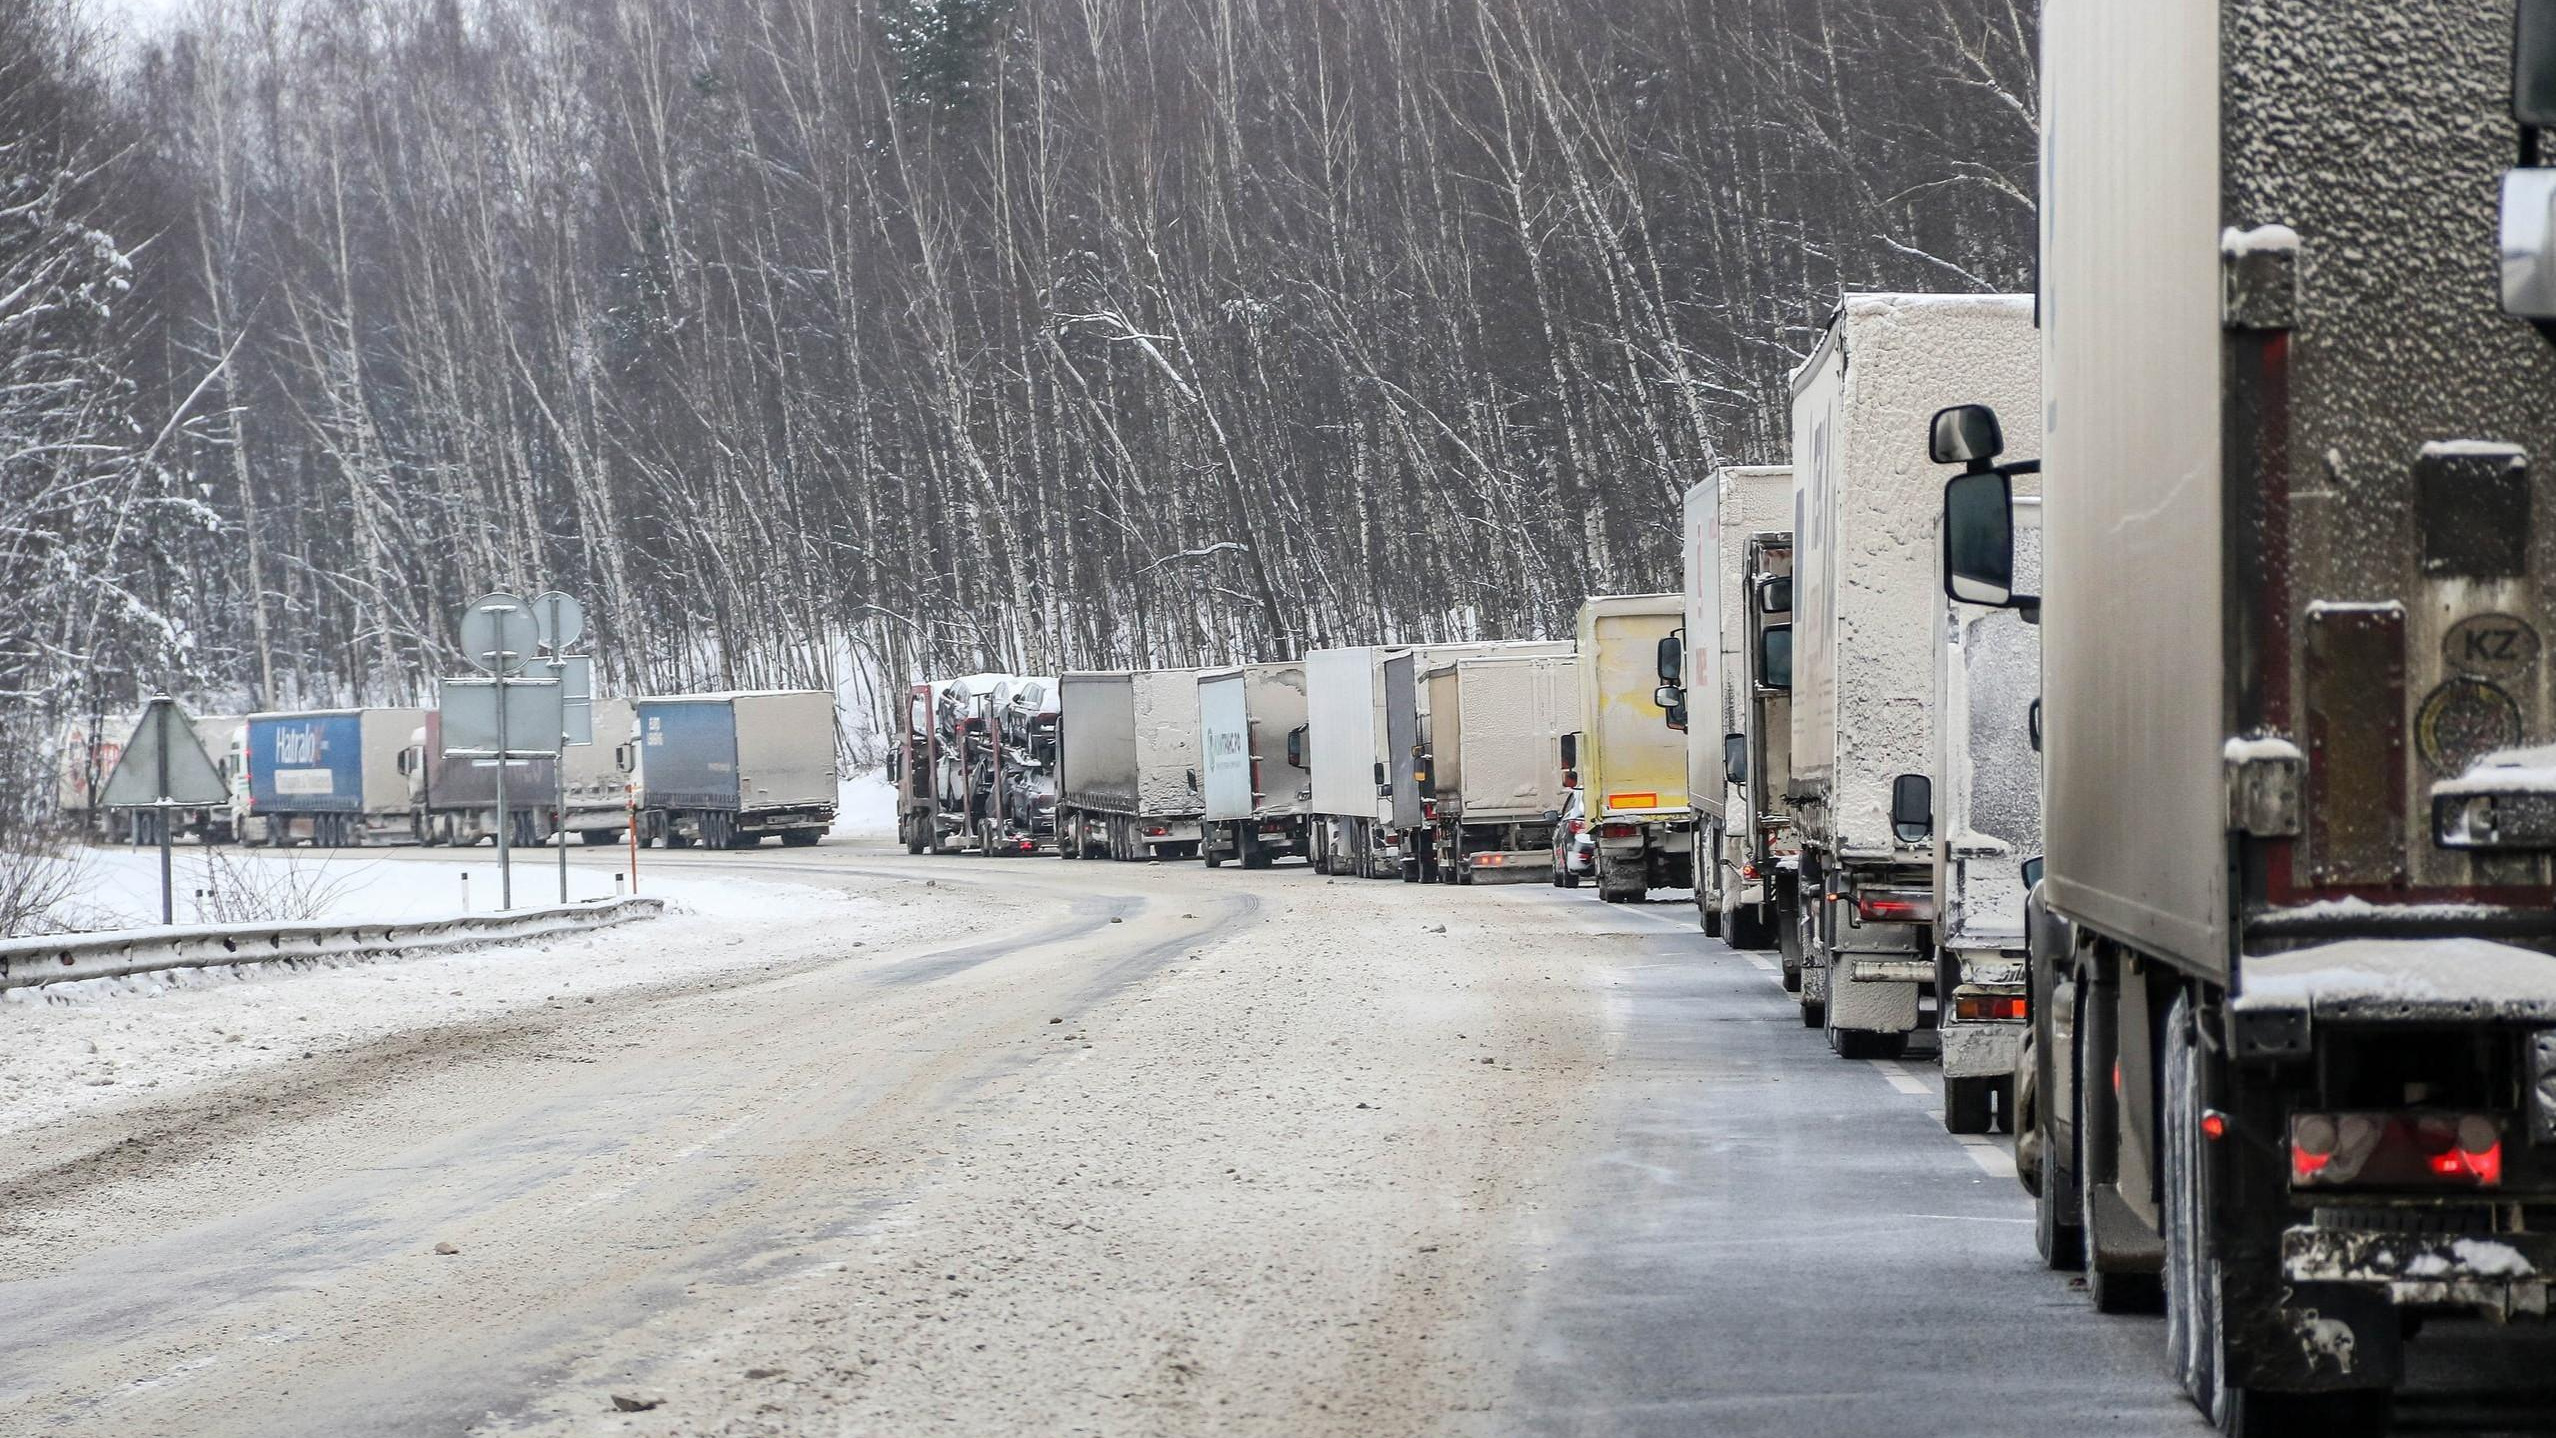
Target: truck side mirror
x,y
1672,659
2032,872
1775,594
2032,724
1296,747
896,766
1192,776
1570,751
1735,758
622,758
1775,657
1979,538
1381,780
2529,239
1672,700
1965,434
1912,807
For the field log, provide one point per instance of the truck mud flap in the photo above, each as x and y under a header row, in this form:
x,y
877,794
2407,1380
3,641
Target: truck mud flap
x,y
2311,1337
1527,867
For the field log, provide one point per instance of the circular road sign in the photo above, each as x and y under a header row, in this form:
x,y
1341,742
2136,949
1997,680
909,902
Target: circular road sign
x,y
561,617
498,634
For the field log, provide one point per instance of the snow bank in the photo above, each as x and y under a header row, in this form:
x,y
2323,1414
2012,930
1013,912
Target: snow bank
x,y
865,807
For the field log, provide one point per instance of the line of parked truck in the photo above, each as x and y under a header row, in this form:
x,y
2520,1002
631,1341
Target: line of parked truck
x,y
2202,800
718,770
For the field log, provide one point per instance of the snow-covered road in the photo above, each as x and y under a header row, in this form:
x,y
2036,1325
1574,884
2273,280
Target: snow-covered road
x,y
879,1145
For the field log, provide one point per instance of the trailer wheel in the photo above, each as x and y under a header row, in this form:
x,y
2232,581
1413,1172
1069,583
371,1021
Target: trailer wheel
x,y
1814,1016
1967,1104
1208,849
2060,1242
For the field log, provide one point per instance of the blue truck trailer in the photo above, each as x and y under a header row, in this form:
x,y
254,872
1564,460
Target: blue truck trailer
x,y
725,770
329,776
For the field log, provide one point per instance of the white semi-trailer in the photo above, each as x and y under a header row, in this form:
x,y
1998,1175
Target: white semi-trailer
x,y
1987,828
1740,825
1865,617
1127,765
1366,808
1252,774
2294,1015
1491,770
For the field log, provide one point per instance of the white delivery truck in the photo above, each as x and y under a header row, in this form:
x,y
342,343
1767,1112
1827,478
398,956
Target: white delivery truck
x,y
1864,635
2294,1011
1629,765
1252,776
1739,824
1366,804
1127,766
1987,827
1491,733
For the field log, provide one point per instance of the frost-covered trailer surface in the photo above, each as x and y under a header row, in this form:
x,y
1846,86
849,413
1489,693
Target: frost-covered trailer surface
x,y
2299,554
453,799
1493,735
1128,764
331,776
1987,823
1866,607
724,770
1358,767
1733,888
1251,741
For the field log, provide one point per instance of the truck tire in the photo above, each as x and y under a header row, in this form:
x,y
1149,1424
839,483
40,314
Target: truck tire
x,y
1968,1104
597,838
1208,849
800,838
2054,1229
1711,917
1788,943
911,829
1814,1016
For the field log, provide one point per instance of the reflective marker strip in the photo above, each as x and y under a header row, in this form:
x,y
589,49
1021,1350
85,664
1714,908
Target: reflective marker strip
x,y
1633,801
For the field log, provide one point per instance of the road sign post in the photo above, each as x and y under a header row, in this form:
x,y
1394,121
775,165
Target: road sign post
x,y
560,620
164,769
498,634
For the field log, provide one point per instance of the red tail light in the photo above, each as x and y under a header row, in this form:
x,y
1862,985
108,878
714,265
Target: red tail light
x,y
1990,1008
1619,829
1894,906
1156,832
2382,1150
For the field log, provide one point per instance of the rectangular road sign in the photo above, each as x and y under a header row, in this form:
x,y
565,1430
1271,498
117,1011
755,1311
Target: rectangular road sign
x,y
533,717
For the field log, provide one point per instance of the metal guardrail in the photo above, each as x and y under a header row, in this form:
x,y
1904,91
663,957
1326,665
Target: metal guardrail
x,y
64,958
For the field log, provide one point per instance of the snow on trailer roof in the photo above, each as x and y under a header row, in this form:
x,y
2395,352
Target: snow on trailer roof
x,y
1858,310
2401,979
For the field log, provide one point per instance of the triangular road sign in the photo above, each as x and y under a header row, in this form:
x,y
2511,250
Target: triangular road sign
x,y
164,761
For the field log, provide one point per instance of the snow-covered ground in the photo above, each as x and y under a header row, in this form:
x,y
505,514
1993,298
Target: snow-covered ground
x,y
70,1048
865,806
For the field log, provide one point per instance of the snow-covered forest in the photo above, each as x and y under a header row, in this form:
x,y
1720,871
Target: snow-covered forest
x,y
944,333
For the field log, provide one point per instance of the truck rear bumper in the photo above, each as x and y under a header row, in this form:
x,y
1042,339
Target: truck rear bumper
x,y
1980,1050
1515,866
2502,1275
1867,992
